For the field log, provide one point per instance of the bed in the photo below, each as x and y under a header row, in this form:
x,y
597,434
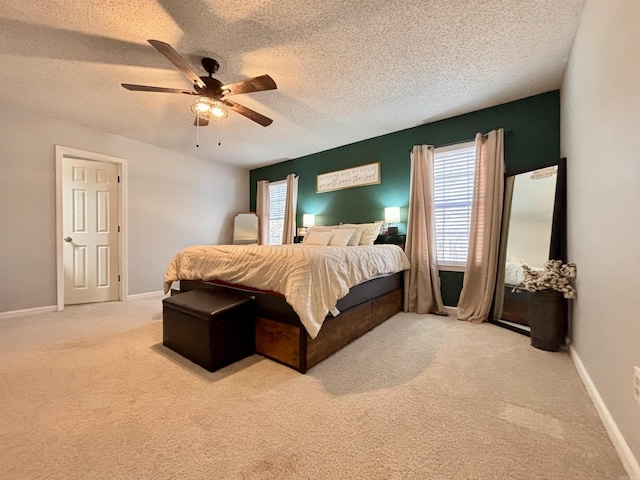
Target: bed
x,y
310,300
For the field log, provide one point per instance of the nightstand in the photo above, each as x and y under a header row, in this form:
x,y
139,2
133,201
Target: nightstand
x,y
398,239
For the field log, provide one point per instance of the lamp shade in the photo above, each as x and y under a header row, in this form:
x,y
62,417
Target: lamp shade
x,y
392,214
308,220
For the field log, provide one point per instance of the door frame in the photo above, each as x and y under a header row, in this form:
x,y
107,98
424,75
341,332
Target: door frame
x,y
62,153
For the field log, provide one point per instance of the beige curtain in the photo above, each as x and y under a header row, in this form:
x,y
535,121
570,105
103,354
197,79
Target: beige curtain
x,y
289,229
486,215
422,282
262,209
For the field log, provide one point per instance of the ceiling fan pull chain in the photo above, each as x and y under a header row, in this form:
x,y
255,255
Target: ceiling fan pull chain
x,y
197,131
219,130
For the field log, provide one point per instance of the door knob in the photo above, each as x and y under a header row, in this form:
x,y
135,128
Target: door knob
x,y
68,239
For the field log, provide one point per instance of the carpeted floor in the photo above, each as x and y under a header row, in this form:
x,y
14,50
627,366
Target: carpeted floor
x,y
91,393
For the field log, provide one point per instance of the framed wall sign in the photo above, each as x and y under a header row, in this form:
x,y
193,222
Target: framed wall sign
x,y
351,177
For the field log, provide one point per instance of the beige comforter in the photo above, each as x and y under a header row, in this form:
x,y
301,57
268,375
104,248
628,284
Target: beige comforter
x,y
311,278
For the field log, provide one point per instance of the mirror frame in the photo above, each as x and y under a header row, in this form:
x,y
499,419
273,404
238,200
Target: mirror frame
x,y
558,242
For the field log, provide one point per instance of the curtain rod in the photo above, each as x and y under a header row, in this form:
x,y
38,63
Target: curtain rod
x,y
461,141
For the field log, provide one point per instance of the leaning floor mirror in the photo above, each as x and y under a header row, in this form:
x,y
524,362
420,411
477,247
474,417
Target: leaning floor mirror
x,y
533,231
245,229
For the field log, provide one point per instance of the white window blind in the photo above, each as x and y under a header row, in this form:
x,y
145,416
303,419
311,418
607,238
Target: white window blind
x,y
454,168
277,200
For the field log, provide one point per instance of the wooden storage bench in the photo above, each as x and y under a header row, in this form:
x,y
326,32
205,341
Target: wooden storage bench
x,y
211,328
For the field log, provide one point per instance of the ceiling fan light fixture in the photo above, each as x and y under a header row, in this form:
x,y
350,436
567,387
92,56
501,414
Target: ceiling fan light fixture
x,y
208,108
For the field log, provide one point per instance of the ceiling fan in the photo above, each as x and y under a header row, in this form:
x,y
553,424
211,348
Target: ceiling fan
x,y
212,101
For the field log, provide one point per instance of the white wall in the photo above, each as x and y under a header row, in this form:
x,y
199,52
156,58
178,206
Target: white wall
x,y
600,114
175,200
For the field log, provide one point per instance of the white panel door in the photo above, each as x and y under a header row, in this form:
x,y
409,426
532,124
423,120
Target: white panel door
x,y
90,230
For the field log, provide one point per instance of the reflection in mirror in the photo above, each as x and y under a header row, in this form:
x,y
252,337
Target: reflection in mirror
x,y
530,222
245,229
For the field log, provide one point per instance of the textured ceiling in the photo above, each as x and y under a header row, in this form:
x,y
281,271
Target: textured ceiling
x,y
346,70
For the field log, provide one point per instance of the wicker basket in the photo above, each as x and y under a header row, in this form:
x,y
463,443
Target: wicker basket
x,y
548,318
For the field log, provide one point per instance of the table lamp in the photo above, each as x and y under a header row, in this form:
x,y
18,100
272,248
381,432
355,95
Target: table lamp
x,y
392,215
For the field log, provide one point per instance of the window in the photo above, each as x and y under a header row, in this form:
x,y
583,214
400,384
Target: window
x,y
277,201
454,168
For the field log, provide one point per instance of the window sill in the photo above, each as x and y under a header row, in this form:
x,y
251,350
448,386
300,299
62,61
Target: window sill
x,y
451,268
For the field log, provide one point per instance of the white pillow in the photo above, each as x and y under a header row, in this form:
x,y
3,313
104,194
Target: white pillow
x,y
370,231
317,238
355,238
341,237
321,228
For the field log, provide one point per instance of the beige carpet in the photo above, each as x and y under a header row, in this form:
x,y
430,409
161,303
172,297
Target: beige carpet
x,y
91,393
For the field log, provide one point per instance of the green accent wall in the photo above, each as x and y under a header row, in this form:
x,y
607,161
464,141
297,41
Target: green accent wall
x,y
532,139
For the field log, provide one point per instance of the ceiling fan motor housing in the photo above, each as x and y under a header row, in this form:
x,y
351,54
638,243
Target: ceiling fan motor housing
x,y
213,87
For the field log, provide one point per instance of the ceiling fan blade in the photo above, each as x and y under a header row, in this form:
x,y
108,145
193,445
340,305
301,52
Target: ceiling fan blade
x,y
247,112
175,58
146,88
256,84
200,122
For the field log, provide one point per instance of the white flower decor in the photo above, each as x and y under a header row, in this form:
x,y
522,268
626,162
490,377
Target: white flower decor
x,y
555,276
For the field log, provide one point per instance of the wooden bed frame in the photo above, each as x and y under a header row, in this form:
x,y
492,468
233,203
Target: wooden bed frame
x,y
281,336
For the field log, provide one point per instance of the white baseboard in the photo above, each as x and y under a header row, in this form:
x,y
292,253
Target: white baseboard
x,y
629,461
139,296
27,311
54,308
